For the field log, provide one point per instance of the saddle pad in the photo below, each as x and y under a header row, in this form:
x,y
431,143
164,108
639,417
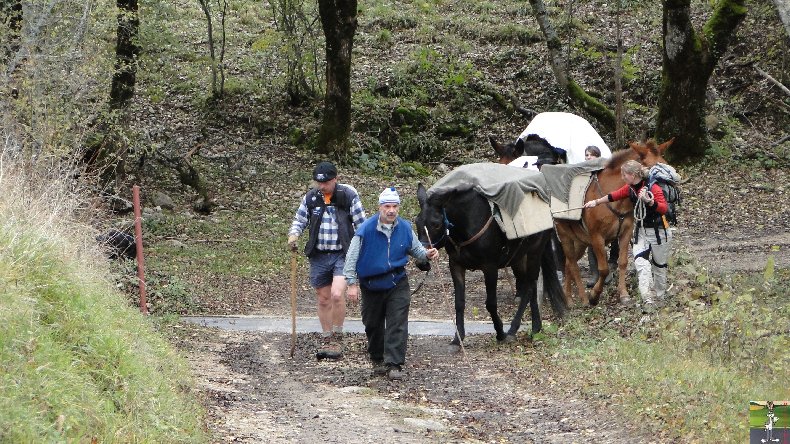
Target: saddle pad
x,y
575,199
520,194
532,216
560,177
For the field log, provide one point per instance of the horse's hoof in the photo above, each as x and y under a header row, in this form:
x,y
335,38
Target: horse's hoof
x,y
453,348
508,339
625,300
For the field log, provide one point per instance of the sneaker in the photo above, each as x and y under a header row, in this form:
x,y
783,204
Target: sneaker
x,y
332,348
648,305
649,298
379,368
394,372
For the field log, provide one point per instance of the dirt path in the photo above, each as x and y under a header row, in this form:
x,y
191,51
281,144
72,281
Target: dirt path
x,y
257,393
742,252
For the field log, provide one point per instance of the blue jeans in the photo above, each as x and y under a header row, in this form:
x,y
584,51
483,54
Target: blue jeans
x,y
386,318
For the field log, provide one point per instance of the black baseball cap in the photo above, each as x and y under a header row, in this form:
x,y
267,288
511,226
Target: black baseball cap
x,y
324,171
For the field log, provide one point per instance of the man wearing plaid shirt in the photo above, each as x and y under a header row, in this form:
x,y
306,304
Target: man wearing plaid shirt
x,y
331,212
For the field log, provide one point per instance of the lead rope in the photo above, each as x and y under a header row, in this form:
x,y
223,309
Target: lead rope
x,y
639,208
446,302
424,277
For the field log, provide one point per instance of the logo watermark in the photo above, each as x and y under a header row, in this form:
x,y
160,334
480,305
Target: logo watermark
x,y
769,422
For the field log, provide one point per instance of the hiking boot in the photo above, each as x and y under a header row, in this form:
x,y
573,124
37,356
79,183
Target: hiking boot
x,y
379,368
394,372
331,348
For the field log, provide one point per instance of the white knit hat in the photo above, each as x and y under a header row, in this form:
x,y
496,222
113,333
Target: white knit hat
x,y
389,195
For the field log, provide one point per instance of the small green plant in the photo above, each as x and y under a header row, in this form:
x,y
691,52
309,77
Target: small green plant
x,y
630,69
413,169
587,51
384,38
769,275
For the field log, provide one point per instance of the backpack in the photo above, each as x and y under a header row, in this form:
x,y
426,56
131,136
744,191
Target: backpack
x,y
667,179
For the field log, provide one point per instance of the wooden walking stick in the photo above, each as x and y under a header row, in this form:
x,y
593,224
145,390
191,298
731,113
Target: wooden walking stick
x,y
293,301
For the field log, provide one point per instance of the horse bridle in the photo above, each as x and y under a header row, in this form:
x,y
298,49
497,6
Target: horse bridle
x,y
438,243
446,234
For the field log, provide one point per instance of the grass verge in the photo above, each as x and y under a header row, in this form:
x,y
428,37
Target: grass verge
x,y
77,363
689,370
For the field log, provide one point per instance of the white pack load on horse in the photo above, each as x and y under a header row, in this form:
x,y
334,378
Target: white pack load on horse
x,y
568,133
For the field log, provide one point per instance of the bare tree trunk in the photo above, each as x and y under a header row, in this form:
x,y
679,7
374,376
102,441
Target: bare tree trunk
x,y
33,34
618,81
126,51
224,7
291,19
783,7
688,62
123,79
206,7
339,21
11,17
577,95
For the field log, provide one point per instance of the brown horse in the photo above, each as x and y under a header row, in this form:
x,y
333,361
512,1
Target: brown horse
x,y
600,225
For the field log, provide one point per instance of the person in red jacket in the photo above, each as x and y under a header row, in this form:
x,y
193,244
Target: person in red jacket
x,y
652,239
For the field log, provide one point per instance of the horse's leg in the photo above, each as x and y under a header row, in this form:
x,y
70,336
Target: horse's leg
x,y
458,273
565,234
491,302
534,309
527,291
599,249
566,283
573,252
622,264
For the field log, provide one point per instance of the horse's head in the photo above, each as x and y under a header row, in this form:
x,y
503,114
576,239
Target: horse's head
x,y
650,153
507,152
431,222
533,145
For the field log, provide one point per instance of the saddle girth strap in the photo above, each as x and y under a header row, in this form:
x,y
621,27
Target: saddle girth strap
x,y
473,238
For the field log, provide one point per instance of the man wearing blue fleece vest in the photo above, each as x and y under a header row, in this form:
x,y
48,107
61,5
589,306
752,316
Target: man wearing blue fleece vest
x,y
376,261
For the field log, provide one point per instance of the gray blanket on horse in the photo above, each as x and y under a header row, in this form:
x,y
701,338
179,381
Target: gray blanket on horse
x,y
559,177
520,194
567,185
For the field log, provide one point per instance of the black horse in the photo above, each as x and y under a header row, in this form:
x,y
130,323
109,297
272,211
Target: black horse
x,y
534,145
460,221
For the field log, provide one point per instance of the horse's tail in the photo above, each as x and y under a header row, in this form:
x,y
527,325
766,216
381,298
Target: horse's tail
x,y
551,283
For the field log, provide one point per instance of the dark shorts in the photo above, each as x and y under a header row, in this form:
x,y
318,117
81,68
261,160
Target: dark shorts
x,y
324,267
